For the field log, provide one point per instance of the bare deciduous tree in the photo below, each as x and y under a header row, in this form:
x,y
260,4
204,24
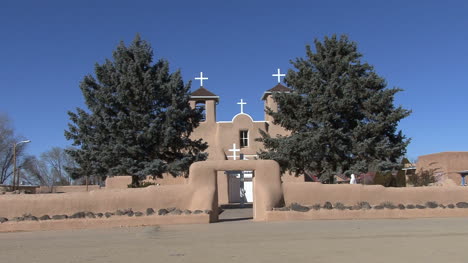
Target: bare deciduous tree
x,y
49,169
7,140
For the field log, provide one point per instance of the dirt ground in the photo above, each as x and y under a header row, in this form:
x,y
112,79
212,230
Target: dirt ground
x,y
415,240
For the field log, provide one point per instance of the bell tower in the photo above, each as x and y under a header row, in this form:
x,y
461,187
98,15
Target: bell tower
x,y
206,100
269,102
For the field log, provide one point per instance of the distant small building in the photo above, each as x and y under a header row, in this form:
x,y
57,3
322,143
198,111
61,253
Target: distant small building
x,y
444,164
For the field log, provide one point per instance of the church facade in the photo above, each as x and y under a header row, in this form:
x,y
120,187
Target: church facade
x,y
234,140
227,140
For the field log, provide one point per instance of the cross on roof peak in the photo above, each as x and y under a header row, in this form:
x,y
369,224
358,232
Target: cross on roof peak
x,y
242,103
279,75
201,78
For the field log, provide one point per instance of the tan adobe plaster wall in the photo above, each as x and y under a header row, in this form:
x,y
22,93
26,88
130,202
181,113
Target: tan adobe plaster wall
x,y
122,182
364,214
447,163
139,199
312,193
200,193
96,223
67,189
223,191
27,188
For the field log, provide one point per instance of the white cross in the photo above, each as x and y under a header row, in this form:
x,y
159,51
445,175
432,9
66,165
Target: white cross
x,y
279,75
234,150
201,78
242,103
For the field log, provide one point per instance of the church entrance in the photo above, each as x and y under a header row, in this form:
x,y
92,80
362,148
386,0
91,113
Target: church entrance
x,y
240,196
240,187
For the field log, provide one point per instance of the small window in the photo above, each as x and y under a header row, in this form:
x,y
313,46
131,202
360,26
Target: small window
x,y
201,105
244,138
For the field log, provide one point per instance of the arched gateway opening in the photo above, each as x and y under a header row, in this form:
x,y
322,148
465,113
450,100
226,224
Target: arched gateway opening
x,y
267,191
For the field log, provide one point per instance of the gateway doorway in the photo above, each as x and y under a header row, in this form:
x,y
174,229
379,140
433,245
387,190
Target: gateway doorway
x,y
240,187
240,197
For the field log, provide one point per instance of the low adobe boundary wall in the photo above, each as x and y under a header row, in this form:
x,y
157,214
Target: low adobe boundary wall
x,y
365,214
95,223
99,201
309,194
67,189
199,194
313,193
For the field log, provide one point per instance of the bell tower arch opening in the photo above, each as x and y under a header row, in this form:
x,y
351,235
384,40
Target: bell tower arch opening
x,y
207,101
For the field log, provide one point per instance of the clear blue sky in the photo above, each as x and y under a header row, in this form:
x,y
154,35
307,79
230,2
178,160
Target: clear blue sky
x,y
420,46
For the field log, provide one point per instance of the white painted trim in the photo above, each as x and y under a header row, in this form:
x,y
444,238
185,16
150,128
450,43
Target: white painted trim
x,y
231,121
235,116
238,115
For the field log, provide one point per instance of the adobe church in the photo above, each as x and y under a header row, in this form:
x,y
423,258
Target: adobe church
x,y
228,140
235,139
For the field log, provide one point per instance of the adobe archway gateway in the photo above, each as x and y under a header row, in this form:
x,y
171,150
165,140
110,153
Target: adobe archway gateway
x,y
267,184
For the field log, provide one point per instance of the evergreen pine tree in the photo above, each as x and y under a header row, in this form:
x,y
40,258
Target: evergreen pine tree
x,y
340,115
138,120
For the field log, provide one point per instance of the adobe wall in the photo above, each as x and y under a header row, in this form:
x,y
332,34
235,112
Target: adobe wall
x,y
96,223
291,178
223,188
324,214
138,199
67,189
29,189
122,182
199,194
312,193
448,163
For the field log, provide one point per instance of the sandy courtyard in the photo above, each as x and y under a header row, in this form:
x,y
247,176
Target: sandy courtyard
x,y
416,240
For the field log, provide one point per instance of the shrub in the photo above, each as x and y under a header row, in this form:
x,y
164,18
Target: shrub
x,y
422,178
400,179
386,179
368,178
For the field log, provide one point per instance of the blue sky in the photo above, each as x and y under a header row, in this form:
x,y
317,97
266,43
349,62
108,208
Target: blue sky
x,y
420,46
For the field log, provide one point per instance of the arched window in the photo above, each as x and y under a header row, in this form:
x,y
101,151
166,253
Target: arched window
x,y
201,105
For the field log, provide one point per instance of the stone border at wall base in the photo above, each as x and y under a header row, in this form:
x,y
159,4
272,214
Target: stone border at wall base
x,y
365,214
93,223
